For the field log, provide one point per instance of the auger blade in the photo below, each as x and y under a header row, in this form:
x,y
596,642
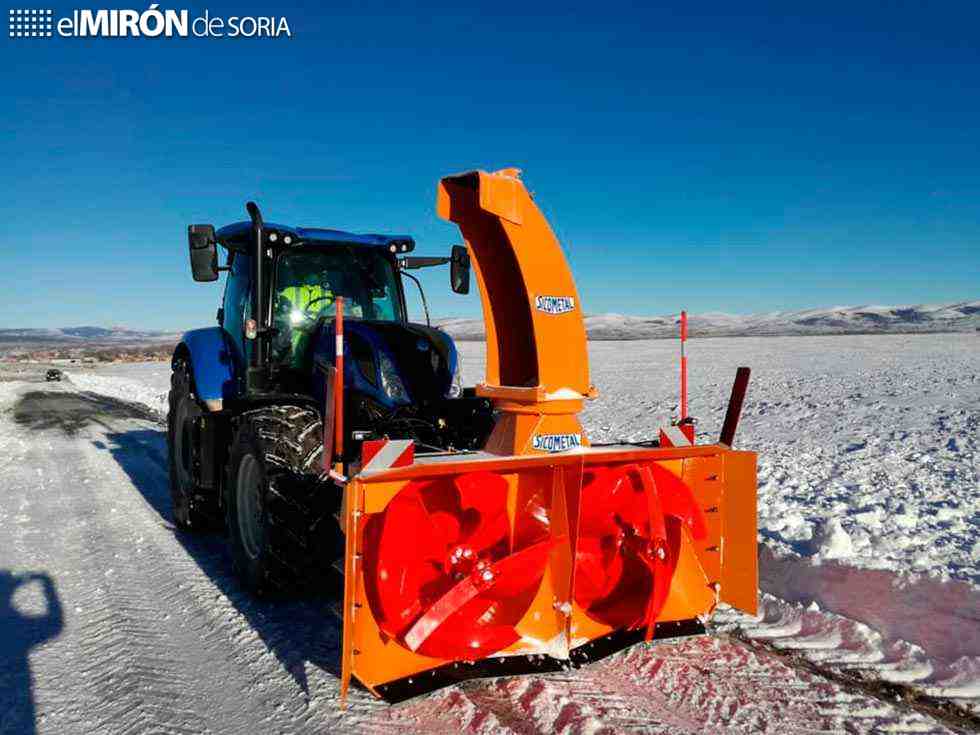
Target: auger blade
x,y
498,581
605,544
406,560
676,499
624,556
441,562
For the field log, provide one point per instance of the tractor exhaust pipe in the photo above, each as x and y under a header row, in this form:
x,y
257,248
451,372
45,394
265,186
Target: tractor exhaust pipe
x,y
256,372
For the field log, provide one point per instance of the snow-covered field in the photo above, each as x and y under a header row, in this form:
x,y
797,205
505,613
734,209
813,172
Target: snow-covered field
x,y
869,480
869,504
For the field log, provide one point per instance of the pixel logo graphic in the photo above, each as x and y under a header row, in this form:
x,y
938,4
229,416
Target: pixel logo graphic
x,y
150,23
30,23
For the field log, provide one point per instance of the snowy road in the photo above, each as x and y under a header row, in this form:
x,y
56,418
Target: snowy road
x,y
129,626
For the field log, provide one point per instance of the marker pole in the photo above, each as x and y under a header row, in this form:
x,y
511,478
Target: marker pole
x,y
338,390
683,366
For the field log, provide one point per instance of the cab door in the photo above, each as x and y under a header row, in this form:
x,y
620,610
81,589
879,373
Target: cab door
x,y
235,307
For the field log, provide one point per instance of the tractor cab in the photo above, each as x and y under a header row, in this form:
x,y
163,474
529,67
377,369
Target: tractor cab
x,y
309,279
279,314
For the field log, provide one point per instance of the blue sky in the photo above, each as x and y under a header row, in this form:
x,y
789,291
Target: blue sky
x,y
718,157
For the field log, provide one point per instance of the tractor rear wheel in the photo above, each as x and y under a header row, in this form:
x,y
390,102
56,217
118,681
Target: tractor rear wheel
x,y
193,508
277,507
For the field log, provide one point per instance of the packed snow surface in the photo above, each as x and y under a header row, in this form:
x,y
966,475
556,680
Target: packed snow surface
x,y
869,561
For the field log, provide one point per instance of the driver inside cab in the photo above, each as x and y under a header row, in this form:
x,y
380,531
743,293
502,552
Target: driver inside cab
x,y
308,282
297,308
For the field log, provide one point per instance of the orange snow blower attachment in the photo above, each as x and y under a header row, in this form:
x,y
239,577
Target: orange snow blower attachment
x,y
540,549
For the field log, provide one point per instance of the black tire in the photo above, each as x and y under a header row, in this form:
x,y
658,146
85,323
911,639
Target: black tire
x,y
278,508
194,508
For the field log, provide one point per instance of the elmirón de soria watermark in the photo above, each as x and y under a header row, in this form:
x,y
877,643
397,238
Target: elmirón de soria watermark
x,y
154,22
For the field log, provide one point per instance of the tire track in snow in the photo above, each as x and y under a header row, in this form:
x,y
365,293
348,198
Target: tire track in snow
x,y
693,685
278,659
139,663
259,681
139,652
581,700
851,654
904,696
119,668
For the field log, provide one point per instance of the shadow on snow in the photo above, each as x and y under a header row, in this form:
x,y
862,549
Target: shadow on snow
x,y
20,631
297,631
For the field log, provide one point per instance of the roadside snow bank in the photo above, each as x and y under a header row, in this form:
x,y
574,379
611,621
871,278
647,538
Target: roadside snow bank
x,y
148,393
841,643
929,628
869,475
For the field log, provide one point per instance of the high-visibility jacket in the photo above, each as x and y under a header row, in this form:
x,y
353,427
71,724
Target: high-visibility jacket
x,y
301,298
305,294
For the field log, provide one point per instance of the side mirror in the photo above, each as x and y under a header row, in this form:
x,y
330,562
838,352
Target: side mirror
x,y
204,252
459,270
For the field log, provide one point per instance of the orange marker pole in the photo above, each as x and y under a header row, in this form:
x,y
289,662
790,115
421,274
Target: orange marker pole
x,y
338,390
683,366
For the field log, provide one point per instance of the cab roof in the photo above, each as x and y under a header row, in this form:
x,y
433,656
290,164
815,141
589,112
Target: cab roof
x,y
238,236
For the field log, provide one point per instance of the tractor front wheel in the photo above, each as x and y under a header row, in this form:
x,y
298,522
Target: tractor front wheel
x,y
276,503
193,509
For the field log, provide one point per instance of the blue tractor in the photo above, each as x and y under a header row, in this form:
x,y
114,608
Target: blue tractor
x,y
250,398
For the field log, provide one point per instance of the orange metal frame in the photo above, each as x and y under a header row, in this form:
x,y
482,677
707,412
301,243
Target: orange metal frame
x,y
720,567
537,375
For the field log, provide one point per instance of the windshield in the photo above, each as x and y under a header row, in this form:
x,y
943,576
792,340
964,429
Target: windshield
x,y
308,282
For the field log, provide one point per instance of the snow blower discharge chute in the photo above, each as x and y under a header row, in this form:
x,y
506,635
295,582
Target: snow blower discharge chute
x,y
478,531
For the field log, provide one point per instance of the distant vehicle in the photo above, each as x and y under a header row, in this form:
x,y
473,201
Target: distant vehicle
x,y
53,375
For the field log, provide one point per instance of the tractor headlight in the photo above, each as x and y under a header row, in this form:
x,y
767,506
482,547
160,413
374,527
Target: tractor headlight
x,y
456,384
391,383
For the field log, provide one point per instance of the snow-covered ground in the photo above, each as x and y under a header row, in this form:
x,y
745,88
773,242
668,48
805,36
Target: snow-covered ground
x,y
869,477
870,562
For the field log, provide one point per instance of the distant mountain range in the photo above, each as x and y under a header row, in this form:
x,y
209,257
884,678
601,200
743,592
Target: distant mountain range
x,y
961,316
84,336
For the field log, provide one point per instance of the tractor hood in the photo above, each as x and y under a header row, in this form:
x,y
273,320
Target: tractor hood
x,y
392,363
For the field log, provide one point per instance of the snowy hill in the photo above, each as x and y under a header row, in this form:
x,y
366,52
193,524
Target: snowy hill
x,y
962,316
